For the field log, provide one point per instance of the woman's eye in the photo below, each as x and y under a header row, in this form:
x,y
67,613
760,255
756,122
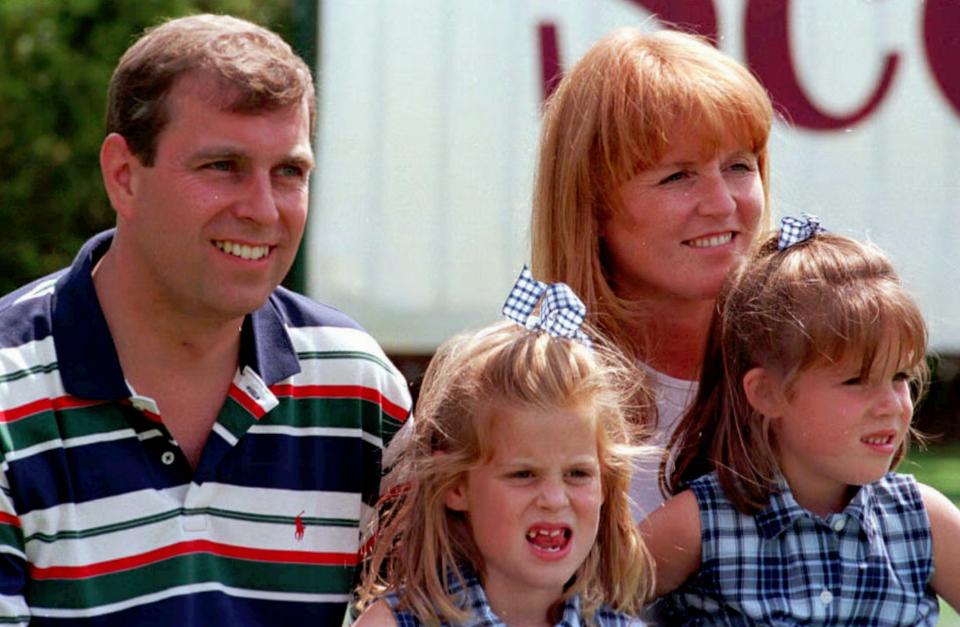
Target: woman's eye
x,y
901,376
853,381
742,166
676,176
521,474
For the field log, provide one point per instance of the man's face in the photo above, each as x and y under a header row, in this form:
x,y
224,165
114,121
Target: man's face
x,y
214,224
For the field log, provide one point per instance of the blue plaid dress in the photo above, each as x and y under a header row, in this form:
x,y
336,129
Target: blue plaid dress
x,y
868,565
481,614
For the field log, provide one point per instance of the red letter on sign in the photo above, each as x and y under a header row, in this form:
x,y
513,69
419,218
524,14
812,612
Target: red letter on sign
x,y
941,21
697,15
767,40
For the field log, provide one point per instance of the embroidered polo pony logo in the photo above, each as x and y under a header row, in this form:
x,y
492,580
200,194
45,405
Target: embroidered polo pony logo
x,y
299,527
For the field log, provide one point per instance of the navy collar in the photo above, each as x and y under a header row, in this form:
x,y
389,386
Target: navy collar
x,y
86,355
784,511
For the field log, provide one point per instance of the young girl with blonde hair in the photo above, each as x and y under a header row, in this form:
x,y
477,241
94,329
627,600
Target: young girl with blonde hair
x,y
512,506
816,358
652,184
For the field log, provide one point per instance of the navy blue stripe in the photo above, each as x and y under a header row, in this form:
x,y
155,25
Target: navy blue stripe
x,y
93,471
212,608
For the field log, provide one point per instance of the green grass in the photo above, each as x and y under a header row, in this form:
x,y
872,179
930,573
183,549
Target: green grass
x,y
938,466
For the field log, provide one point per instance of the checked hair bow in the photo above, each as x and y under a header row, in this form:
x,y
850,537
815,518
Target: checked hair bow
x,y
561,313
796,230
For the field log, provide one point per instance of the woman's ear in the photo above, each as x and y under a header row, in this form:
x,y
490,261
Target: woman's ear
x,y
764,392
456,497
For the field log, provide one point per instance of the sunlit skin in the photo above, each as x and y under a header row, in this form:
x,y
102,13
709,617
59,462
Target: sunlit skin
x,y
837,430
534,508
684,223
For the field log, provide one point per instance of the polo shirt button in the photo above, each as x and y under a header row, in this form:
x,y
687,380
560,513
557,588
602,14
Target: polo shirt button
x,y
826,597
839,524
167,458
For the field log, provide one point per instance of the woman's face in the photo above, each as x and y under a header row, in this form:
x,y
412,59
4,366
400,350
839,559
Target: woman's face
x,y
685,222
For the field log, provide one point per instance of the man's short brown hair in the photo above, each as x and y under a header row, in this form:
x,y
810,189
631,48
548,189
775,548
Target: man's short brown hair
x,y
257,71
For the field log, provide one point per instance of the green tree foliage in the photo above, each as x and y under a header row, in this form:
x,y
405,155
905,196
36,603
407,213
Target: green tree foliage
x,y
56,57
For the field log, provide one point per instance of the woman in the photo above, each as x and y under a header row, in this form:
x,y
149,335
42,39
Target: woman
x,y
651,186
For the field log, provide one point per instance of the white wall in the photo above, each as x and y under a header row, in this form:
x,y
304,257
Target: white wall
x,y
428,127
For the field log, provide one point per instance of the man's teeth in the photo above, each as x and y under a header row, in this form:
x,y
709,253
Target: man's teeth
x,y
244,251
709,242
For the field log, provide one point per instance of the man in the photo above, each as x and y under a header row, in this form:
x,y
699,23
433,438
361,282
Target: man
x,y
185,442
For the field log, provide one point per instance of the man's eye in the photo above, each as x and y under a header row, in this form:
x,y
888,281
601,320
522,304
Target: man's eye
x,y
222,166
290,170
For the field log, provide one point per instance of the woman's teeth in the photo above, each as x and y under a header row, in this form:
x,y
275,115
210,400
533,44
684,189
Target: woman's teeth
x,y
710,242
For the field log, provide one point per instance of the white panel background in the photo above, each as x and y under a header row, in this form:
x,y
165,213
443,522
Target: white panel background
x,y
428,128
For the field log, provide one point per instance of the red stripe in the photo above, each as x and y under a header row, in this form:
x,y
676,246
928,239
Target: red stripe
x,y
189,548
246,401
393,410
44,404
9,519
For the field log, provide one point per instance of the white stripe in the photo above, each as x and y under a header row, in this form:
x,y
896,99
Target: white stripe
x,y
152,433
356,371
36,449
213,586
330,432
224,433
170,531
11,550
334,339
35,387
40,289
14,605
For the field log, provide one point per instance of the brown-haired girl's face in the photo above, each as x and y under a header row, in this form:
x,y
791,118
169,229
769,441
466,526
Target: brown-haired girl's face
x,y
836,427
685,221
534,507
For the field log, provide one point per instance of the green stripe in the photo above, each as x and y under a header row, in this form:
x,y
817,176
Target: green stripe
x,y
235,418
305,355
11,535
186,570
66,424
50,538
19,374
340,413
14,619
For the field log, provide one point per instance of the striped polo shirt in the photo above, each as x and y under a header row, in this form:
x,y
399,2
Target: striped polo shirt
x,y
103,521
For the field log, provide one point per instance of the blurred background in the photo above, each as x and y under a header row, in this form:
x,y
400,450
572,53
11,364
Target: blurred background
x,y
429,114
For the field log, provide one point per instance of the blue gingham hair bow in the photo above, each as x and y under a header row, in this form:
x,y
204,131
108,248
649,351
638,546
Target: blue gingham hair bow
x,y
561,313
794,230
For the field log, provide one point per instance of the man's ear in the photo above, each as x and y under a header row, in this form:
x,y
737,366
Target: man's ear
x,y
764,392
456,497
117,165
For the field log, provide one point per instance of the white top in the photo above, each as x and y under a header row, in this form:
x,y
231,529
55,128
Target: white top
x,y
673,397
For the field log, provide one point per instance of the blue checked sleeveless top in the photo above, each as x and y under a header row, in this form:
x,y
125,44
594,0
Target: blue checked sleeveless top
x,y
868,565
481,614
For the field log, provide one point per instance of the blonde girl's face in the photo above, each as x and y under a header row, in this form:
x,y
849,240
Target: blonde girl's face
x,y
534,508
838,429
686,221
